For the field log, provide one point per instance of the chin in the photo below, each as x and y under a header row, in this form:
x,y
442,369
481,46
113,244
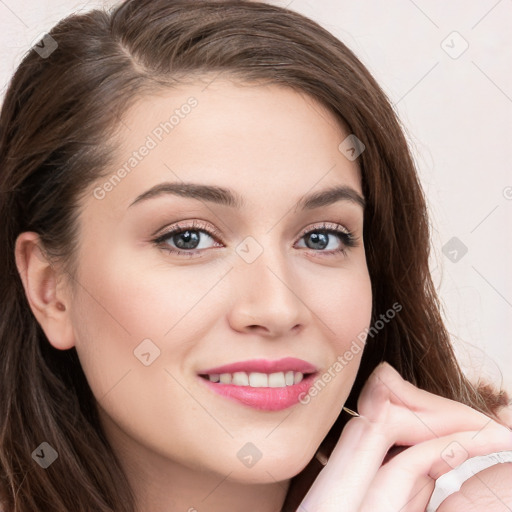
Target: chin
x,y
271,469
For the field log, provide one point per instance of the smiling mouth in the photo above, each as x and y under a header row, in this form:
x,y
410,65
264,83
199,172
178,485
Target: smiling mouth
x,y
261,391
257,379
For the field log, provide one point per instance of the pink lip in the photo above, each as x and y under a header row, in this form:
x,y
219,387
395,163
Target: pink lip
x,y
264,366
266,399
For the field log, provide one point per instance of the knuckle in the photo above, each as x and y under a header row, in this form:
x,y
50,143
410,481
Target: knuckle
x,y
374,398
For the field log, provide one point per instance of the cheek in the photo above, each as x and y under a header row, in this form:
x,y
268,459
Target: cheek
x,y
342,302
127,308
136,331
349,307
345,310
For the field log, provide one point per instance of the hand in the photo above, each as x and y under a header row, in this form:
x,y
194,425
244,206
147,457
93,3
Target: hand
x,y
438,433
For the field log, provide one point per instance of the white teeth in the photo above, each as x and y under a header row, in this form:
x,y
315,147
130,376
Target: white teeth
x,y
240,379
225,378
257,379
289,378
277,380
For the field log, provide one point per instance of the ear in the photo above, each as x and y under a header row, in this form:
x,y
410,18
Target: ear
x,y
46,297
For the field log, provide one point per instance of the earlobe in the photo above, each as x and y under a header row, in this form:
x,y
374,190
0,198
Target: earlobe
x,y
40,281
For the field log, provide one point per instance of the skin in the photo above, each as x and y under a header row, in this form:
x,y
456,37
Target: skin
x,y
177,440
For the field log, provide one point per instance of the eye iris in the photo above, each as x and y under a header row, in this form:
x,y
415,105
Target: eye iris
x,y
318,238
188,237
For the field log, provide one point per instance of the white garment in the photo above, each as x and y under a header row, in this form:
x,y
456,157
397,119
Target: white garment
x,y
452,481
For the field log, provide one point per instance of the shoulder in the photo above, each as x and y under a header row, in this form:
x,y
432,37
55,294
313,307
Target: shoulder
x,y
488,490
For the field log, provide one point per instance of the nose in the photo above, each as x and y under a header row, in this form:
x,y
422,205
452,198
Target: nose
x,y
269,298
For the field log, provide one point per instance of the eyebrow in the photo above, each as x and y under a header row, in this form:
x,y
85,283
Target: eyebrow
x,y
226,197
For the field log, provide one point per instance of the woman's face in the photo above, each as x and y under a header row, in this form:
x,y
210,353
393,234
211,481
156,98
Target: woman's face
x,y
146,320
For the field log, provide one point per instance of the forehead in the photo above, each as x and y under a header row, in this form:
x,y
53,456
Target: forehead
x,y
265,141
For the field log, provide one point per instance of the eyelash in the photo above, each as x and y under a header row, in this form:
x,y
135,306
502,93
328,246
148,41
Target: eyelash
x,y
347,237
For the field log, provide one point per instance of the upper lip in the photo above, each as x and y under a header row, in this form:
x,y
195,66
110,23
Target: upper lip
x,y
264,366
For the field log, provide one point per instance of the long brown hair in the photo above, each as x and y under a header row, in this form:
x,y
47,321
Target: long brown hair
x,y
57,124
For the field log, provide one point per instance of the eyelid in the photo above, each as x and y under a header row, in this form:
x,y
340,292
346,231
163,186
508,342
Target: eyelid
x,y
325,226
211,231
195,225
202,225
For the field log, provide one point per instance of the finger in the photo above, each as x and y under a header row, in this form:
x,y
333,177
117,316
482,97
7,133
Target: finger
x,y
389,500
393,412
438,456
352,465
419,415
407,480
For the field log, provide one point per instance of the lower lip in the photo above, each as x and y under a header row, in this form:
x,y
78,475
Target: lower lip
x,y
265,399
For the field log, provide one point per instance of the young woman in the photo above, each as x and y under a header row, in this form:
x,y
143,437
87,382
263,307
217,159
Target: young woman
x,y
215,279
